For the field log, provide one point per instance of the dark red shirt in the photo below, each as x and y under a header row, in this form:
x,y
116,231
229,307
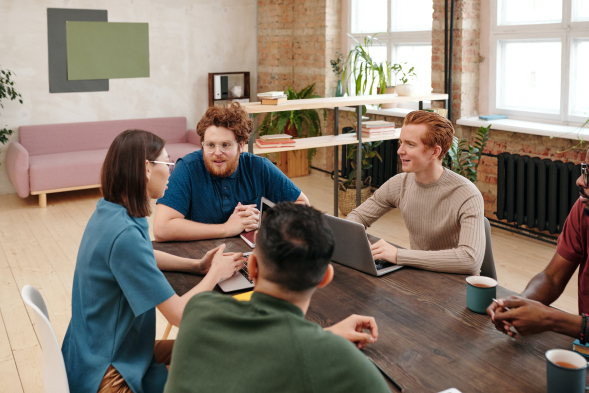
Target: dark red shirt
x,y
572,245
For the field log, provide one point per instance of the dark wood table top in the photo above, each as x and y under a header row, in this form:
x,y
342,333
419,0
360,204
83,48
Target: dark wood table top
x,y
428,340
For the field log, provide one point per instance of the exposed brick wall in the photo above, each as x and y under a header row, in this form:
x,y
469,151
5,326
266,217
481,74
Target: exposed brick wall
x,y
465,67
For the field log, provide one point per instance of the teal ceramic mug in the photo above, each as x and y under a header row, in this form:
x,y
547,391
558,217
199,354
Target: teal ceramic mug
x,y
565,371
480,292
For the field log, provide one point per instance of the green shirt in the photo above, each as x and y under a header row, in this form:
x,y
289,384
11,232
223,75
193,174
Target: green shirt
x,y
264,345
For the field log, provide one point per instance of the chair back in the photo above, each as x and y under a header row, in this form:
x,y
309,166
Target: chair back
x,y
488,267
54,373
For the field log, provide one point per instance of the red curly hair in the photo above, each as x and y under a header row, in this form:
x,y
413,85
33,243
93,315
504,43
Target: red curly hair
x,y
440,131
232,117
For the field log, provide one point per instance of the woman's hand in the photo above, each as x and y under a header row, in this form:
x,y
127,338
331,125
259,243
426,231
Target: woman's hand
x,y
223,265
203,265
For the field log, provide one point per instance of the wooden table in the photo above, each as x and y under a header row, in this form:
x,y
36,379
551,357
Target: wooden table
x,y
337,140
428,340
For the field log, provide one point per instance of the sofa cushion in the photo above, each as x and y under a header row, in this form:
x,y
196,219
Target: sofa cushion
x,y
63,170
179,150
73,137
80,168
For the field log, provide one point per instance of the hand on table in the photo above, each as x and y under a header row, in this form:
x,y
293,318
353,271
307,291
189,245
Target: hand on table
x,y
352,327
525,315
244,218
204,264
224,265
384,250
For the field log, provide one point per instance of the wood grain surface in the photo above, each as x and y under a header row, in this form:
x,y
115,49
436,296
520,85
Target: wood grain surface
x,y
428,340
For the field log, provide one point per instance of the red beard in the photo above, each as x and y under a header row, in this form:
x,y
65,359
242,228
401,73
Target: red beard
x,y
230,167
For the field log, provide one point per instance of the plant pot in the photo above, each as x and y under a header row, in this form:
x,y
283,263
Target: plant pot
x,y
404,90
339,90
347,198
389,90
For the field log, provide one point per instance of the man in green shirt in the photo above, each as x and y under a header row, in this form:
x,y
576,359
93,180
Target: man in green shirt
x,y
266,344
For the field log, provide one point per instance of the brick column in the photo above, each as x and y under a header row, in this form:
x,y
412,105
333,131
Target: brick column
x,y
465,68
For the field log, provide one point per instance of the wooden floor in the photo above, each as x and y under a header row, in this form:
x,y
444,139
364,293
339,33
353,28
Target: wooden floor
x,y
39,247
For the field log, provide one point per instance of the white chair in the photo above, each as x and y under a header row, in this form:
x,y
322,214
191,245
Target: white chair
x,y
54,374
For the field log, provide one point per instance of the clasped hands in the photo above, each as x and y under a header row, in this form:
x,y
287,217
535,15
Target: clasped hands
x,y
244,218
525,315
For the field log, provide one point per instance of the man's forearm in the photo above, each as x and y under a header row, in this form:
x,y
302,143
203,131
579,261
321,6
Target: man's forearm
x,y
565,323
542,289
181,229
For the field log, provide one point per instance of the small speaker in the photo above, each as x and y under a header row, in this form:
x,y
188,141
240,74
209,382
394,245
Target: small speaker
x,y
224,87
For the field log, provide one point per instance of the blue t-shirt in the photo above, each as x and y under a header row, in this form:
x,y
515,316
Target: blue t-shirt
x,y
208,199
117,286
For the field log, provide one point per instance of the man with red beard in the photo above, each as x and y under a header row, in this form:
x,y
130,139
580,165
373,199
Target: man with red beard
x,y
531,313
214,193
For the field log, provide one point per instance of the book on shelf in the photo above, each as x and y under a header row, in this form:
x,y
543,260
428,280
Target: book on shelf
x,y
275,137
274,101
378,130
248,238
268,145
276,141
580,348
271,94
377,124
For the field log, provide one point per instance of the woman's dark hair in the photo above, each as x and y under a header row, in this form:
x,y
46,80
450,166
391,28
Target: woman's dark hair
x,y
123,176
295,245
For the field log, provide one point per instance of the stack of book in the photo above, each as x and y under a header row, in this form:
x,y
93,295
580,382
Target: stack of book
x,y
377,127
272,98
276,140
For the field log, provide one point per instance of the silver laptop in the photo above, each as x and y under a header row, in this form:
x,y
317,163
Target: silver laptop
x,y
352,248
241,279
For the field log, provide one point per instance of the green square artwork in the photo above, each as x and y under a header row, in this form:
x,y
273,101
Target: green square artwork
x,y
107,50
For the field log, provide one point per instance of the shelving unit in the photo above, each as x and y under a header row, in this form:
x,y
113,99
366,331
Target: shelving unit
x,y
246,87
336,140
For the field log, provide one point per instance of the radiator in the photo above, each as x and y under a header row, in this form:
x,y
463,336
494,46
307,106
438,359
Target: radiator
x,y
535,192
380,171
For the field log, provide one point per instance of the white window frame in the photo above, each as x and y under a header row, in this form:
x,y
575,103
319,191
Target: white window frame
x,y
565,32
388,38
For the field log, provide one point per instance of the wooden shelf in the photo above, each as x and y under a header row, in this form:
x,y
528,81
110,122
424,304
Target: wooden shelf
x,y
326,141
246,87
333,102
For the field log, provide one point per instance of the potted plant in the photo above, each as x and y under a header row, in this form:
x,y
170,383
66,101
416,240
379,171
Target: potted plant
x,y
463,158
390,83
405,89
367,75
337,69
347,188
298,123
7,91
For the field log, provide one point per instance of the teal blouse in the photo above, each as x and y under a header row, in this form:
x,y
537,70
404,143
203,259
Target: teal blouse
x,y
117,286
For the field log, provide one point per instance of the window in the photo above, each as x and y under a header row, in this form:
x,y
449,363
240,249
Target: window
x,y
539,49
404,31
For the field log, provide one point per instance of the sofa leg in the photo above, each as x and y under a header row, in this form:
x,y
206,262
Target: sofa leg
x,y
43,200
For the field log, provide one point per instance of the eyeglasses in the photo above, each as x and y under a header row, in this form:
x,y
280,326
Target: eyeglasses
x,y
224,146
170,164
585,173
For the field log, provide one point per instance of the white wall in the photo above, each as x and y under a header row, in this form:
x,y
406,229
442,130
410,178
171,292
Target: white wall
x,y
187,40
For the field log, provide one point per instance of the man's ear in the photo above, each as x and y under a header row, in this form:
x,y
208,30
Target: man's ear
x,y
437,152
327,277
252,267
241,147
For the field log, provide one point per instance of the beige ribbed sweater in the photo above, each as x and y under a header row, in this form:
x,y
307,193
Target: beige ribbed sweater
x,y
444,219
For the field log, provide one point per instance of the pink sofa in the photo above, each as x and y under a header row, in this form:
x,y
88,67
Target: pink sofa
x,y
63,157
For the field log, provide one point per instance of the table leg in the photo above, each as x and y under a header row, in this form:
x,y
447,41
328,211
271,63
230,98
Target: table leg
x,y
335,162
359,159
250,143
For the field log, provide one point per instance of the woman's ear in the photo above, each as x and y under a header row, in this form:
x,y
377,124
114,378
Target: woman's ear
x,y
147,170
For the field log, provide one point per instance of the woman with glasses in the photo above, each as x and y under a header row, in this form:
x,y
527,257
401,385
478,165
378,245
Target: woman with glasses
x,y
110,342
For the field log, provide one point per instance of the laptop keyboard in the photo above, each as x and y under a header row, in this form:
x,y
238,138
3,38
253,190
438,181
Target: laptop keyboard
x,y
245,273
382,264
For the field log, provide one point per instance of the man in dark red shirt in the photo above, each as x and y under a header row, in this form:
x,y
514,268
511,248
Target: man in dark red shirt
x,y
529,313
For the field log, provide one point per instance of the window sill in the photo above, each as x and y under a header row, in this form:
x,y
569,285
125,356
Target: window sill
x,y
529,127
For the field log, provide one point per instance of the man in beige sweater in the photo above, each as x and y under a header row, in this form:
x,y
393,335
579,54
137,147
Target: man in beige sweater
x,y
442,210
